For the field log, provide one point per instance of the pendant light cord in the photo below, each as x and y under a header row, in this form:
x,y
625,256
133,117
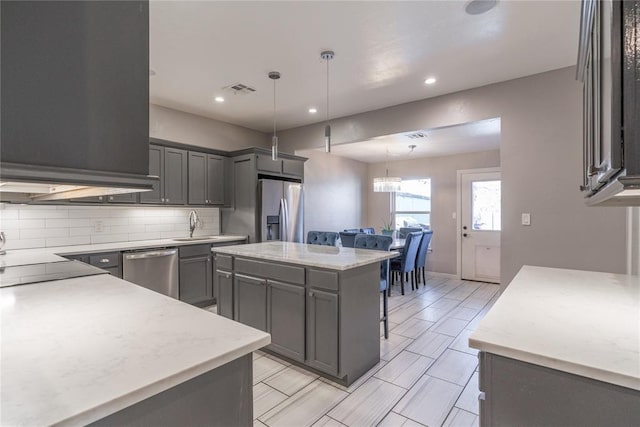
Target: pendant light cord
x,y
327,60
274,107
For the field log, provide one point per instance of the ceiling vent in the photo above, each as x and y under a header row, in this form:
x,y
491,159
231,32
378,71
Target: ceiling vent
x,y
416,135
239,88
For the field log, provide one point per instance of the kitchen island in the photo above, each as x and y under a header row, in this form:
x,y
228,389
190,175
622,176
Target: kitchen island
x,y
321,304
101,350
561,347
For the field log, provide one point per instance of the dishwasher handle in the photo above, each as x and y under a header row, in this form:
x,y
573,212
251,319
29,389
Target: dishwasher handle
x,y
154,254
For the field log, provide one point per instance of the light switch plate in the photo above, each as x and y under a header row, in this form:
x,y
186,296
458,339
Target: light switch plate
x,y
526,219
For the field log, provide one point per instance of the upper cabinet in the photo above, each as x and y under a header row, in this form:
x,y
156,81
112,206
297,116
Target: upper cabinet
x,y
75,89
206,179
170,164
609,67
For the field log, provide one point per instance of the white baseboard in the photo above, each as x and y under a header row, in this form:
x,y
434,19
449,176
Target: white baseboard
x,y
446,275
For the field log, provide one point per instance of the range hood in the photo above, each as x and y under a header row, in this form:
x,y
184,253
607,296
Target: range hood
x,y
22,183
75,99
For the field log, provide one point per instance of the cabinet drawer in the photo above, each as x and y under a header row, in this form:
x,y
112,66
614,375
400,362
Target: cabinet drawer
x,y
194,250
286,273
105,260
322,279
264,163
292,167
224,262
114,271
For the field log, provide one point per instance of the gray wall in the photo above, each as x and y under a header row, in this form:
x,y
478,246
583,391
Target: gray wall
x,y
335,191
178,126
443,174
540,157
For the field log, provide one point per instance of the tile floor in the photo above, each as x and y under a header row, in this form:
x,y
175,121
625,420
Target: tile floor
x,y
427,375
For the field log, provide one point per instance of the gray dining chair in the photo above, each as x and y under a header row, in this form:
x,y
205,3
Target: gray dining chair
x,y
407,261
379,243
348,239
324,238
368,230
351,230
421,258
403,231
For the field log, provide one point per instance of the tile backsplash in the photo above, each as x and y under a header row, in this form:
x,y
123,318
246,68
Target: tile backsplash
x,y
37,226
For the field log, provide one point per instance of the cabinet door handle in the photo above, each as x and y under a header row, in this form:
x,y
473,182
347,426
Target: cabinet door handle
x,y
167,200
227,276
482,396
110,197
162,200
310,293
104,260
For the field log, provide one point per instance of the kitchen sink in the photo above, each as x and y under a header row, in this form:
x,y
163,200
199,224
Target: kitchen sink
x,y
190,239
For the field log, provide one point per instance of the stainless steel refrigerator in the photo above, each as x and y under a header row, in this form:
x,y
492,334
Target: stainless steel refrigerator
x,y
280,211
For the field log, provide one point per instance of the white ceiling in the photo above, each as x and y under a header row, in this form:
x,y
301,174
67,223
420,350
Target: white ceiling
x,y
482,135
384,51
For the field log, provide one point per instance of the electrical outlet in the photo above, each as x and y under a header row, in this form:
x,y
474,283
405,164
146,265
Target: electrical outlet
x,y
97,226
526,219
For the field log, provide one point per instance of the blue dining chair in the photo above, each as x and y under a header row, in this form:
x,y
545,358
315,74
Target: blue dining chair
x,y
421,257
348,238
379,243
407,262
325,238
368,230
403,231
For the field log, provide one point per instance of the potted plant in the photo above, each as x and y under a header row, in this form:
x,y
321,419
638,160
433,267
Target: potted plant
x,y
386,228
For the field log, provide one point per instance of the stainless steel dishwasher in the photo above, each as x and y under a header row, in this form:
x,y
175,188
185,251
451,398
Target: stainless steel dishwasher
x,y
154,269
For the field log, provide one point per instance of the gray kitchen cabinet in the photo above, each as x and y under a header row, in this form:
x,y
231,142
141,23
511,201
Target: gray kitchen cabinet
x,y
206,179
109,261
175,176
93,199
323,319
514,392
322,331
156,166
170,165
196,281
264,163
250,301
286,314
224,293
293,167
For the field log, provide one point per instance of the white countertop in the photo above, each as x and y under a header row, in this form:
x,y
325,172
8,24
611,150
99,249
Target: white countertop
x,y
51,254
330,257
580,322
74,351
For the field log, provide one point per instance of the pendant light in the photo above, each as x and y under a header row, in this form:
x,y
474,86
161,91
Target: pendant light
x,y
387,184
274,75
327,56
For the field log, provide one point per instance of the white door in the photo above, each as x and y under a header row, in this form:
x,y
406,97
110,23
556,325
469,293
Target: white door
x,y
481,225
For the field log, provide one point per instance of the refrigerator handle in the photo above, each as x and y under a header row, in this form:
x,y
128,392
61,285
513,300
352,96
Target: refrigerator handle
x,y
284,220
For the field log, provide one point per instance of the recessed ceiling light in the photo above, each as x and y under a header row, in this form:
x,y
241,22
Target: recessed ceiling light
x,y
312,110
430,81
477,7
218,99
152,72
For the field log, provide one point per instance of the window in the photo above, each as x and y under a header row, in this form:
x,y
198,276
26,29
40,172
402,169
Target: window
x,y
412,204
485,205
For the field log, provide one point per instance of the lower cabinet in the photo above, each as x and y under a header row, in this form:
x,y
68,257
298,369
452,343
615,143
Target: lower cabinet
x,y
286,324
322,331
223,282
514,392
250,301
196,281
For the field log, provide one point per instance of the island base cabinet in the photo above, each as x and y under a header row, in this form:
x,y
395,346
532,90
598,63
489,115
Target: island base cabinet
x,y
520,393
286,319
322,331
250,301
221,397
224,293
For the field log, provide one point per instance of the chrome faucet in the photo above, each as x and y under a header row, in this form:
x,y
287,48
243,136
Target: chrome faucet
x,y
193,222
